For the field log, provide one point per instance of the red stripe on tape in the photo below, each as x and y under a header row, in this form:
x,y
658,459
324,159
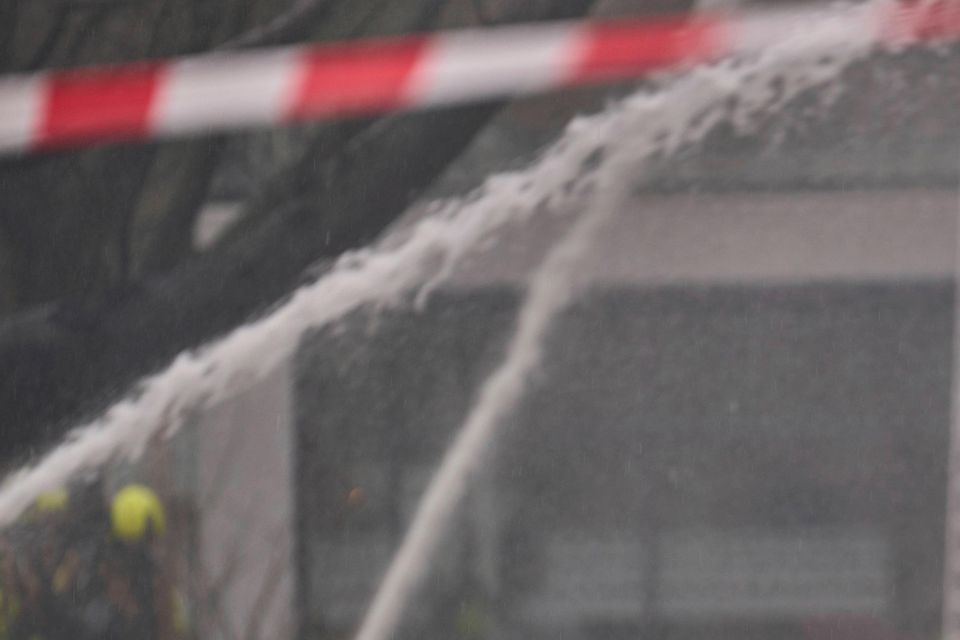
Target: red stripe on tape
x,y
923,20
365,77
624,48
356,78
99,104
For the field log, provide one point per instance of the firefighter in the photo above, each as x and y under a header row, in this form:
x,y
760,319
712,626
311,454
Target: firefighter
x,y
136,515
473,620
33,552
136,583
473,610
77,568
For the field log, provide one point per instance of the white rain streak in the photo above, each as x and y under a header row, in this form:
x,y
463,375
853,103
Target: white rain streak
x,y
630,131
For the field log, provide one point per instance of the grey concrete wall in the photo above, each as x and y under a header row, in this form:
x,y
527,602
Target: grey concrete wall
x,y
243,457
758,407
797,237
774,361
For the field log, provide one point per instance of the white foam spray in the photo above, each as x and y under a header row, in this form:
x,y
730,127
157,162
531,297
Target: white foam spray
x,y
639,126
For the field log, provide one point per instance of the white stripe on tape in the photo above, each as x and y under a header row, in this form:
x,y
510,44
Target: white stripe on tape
x,y
472,65
21,111
756,31
225,91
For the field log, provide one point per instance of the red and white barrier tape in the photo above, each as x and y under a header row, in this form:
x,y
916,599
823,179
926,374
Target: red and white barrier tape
x,y
223,91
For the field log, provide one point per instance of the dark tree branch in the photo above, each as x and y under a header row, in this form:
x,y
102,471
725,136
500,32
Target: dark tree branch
x,y
299,174
483,14
9,12
71,359
172,200
50,40
290,26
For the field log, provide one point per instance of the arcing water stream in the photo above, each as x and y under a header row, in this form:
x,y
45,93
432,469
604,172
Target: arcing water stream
x,y
624,137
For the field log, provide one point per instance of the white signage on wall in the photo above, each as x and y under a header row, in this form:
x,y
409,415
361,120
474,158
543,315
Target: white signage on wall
x,y
768,574
595,577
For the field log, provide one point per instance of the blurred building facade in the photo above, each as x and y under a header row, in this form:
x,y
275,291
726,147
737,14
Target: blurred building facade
x,y
740,431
